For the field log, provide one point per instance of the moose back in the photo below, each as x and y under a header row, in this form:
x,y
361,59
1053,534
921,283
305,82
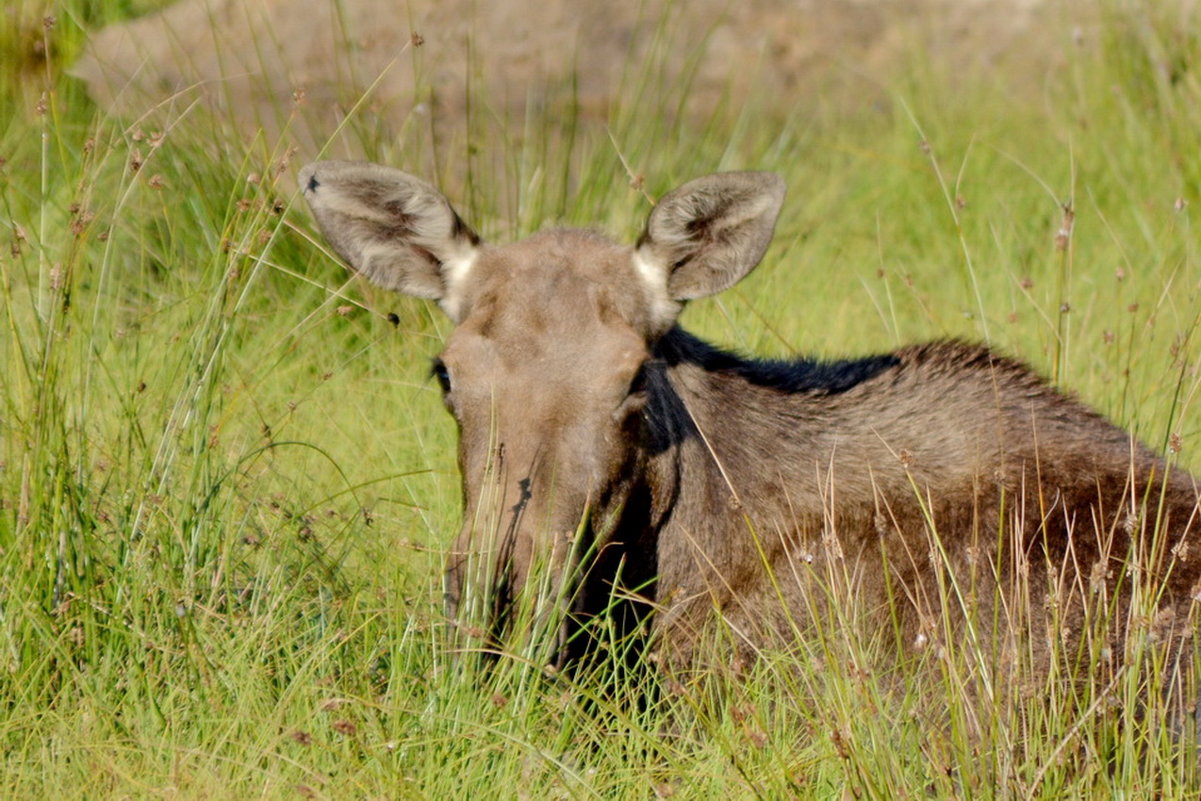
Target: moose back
x,y
608,454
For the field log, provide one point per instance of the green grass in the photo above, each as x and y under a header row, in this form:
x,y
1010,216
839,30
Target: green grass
x,y
225,477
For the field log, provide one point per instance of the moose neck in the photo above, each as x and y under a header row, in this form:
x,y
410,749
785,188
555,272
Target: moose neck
x,y
726,440
722,417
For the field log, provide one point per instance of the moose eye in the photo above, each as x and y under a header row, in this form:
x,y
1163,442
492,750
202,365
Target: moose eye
x,y
438,370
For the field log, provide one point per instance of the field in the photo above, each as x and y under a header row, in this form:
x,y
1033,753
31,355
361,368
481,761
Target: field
x,y
226,476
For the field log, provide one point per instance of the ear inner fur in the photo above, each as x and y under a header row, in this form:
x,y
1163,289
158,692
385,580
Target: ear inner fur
x,y
395,229
707,235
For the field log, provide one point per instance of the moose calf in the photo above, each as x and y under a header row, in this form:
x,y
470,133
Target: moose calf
x,y
608,454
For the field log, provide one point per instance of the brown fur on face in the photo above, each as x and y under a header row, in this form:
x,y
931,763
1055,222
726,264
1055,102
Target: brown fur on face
x,y
539,371
602,445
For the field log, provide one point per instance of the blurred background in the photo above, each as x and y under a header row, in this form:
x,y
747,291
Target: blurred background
x,y
421,64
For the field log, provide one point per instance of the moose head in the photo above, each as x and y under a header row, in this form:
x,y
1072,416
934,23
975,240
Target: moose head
x,y
551,367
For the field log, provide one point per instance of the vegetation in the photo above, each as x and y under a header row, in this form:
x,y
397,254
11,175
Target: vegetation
x,y
225,477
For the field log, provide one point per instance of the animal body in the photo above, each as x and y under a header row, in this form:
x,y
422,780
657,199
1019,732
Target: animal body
x,y
607,453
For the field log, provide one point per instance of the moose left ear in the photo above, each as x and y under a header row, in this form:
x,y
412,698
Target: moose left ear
x,y
708,234
395,229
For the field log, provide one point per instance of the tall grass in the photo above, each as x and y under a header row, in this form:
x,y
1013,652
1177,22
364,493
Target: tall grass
x,y
225,479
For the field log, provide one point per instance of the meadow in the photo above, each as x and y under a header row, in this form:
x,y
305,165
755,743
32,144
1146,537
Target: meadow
x,y
226,476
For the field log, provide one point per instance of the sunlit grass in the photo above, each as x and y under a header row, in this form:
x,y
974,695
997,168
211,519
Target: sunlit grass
x,y
225,478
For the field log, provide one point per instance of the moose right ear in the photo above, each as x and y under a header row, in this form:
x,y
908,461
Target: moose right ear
x,y
708,234
396,230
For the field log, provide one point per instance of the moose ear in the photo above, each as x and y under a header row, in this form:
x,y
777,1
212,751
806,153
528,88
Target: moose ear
x,y
395,229
708,234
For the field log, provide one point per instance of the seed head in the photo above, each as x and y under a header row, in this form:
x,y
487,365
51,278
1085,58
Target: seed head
x,y
840,744
740,712
1064,235
1180,550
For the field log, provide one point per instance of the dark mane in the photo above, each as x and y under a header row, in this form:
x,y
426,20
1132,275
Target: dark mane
x,y
786,375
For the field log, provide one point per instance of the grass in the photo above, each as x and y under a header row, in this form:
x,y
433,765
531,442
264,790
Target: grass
x,y
225,478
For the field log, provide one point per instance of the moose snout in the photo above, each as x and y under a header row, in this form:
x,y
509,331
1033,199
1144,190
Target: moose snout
x,y
520,567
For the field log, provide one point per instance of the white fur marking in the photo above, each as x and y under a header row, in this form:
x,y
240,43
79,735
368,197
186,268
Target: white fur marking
x,y
455,270
653,273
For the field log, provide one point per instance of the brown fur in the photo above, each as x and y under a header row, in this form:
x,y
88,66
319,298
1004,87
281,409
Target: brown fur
x,y
728,489
953,445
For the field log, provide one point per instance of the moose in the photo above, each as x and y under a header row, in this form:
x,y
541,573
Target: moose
x,y
606,453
